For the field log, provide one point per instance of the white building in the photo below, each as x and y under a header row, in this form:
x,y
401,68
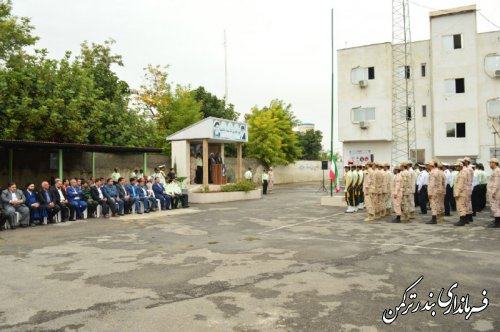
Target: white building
x,y
305,126
456,77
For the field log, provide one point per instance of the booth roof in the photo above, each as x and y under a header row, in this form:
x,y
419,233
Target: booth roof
x,y
199,131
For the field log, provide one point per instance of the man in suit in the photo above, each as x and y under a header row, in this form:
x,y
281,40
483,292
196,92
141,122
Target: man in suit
x,y
114,195
14,201
149,202
75,196
133,191
101,196
161,194
124,195
61,200
47,200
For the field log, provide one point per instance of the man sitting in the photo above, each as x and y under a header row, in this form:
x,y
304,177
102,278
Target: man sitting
x,y
47,200
179,195
161,194
112,191
75,197
61,201
87,198
148,201
133,191
124,195
37,211
101,196
14,201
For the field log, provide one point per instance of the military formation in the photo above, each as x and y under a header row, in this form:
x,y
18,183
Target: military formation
x,y
462,187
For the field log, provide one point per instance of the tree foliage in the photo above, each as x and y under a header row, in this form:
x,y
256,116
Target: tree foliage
x,y
310,143
172,109
272,140
213,106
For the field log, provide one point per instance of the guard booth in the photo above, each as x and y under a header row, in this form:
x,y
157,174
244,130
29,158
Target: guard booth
x,y
207,137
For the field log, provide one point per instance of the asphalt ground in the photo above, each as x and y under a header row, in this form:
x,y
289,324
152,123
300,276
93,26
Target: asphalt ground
x,y
282,263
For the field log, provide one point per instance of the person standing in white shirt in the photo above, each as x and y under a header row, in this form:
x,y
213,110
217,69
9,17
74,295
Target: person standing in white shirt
x,y
422,182
449,190
248,174
265,182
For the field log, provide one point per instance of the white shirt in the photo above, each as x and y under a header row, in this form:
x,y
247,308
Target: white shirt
x,y
14,196
248,175
422,180
265,177
61,194
449,178
474,179
101,196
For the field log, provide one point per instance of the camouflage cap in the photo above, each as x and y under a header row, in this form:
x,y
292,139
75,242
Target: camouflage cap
x,y
387,165
466,159
494,160
459,163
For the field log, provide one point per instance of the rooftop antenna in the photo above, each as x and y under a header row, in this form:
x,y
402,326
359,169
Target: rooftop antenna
x,y
225,66
403,97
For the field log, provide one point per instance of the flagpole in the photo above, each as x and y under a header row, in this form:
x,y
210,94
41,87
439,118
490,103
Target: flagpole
x,y
331,124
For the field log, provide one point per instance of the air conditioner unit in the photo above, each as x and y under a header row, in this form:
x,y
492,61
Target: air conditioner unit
x,y
363,125
363,83
497,73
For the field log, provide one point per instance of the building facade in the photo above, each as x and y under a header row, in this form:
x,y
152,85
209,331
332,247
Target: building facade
x,y
305,126
456,78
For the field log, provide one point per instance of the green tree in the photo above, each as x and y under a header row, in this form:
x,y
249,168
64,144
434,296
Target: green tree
x,y
213,106
172,110
272,140
15,32
310,143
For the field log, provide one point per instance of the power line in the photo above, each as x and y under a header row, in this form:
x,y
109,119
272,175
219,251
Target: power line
x,y
490,21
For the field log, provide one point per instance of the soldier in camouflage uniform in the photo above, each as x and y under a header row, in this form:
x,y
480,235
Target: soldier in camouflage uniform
x,y
433,190
493,189
405,175
383,191
470,177
397,194
460,192
388,196
368,189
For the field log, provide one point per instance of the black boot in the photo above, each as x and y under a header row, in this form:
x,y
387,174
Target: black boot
x,y
495,223
397,220
461,222
470,218
432,221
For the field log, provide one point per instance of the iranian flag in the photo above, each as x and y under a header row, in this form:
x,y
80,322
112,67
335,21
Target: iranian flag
x,y
334,174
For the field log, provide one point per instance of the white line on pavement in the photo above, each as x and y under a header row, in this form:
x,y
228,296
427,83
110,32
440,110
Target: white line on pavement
x,y
300,223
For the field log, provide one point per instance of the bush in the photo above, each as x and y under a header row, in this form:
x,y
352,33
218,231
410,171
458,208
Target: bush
x,y
243,185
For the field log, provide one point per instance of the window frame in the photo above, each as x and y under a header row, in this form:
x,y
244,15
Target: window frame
x,y
456,130
364,115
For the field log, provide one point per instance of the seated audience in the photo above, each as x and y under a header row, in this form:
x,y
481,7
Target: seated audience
x,y
61,200
171,175
128,201
178,193
161,194
148,201
14,201
47,199
100,195
87,198
75,197
112,191
37,211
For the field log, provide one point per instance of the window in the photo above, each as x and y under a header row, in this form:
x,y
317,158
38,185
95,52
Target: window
x,y
405,72
408,113
424,111
362,74
418,155
423,69
455,129
452,42
456,85
362,114
371,73
492,65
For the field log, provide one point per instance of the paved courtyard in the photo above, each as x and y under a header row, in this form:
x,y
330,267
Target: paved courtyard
x,y
283,263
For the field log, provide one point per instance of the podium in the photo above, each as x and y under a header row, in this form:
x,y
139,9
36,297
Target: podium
x,y
219,174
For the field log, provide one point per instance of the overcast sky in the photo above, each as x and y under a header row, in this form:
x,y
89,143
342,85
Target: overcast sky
x,y
276,48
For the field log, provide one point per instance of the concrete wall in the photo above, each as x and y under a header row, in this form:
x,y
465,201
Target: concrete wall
x,y
34,165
